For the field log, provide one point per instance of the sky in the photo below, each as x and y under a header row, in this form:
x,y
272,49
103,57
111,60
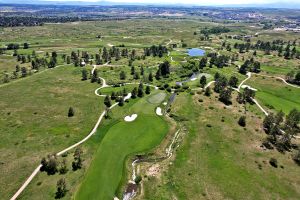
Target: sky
x,y
196,2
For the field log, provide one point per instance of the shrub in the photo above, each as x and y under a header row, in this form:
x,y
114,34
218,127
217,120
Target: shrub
x,y
138,179
71,112
242,121
273,162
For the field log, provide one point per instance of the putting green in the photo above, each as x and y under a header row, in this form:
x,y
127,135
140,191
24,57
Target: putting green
x,y
157,98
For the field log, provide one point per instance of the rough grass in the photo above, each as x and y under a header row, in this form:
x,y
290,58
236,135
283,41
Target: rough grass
x,y
221,161
34,120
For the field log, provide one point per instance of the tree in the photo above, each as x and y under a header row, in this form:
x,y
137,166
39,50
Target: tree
x,y
141,90
203,81
207,91
242,121
203,62
49,164
77,163
84,73
148,90
95,76
63,167
121,102
249,95
220,84
26,45
132,70
61,188
268,122
122,75
292,119
233,81
225,96
150,77
17,68
134,93
23,71
107,101
71,112
142,70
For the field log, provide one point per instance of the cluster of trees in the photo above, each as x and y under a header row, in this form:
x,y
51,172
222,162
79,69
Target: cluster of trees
x,y
293,77
281,129
247,95
163,70
155,51
288,50
218,60
222,87
250,65
51,165
9,21
215,30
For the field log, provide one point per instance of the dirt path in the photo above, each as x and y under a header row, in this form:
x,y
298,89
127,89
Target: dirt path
x,y
249,76
35,172
282,79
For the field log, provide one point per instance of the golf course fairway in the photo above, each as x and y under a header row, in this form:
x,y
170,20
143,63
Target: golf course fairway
x,y
122,139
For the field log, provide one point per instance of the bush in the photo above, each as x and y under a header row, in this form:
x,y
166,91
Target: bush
x,y
242,121
273,162
138,179
71,112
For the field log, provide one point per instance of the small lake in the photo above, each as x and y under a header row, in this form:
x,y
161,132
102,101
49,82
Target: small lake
x,y
196,52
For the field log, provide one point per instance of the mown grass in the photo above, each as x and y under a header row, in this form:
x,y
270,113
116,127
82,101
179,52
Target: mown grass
x,y
275,94
122,140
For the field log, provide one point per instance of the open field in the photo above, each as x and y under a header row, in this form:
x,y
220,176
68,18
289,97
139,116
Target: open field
x,y
34,120
221,160
216,158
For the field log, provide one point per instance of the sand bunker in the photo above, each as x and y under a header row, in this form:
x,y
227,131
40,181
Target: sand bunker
x,y
159,111
193,79
165,103
130,118
247,86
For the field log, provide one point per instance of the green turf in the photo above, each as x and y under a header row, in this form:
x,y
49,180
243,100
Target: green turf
x,y
122,140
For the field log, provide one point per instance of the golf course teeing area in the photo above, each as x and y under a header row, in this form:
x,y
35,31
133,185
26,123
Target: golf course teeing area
x,y
123,140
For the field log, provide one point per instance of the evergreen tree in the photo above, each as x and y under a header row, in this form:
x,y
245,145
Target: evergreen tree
x,y
84,74
107,101
134,93
150,77
203,81
71,112
122,75
148,90
141,90
233,82
77,163
225,96
61,188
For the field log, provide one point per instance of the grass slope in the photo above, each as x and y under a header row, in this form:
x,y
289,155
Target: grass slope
x,y
122,140
34,120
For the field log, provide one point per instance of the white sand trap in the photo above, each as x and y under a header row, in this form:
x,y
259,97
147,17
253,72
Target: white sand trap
x,y
110,45
165,103
247,86
193,79
159,111
130,118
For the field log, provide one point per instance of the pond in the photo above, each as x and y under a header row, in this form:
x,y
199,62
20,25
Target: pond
x,y
196,52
